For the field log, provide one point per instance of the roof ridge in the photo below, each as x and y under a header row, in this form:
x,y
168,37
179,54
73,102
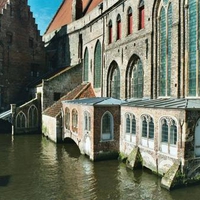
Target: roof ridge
x,y
85,87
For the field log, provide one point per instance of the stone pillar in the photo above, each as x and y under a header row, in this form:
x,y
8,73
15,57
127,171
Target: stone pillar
x,y
13,110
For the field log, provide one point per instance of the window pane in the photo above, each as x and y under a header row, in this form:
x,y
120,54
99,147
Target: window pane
x,y
86,65
165,132
173,134
151,129
128,124
97,66
106,124
144,128
133,126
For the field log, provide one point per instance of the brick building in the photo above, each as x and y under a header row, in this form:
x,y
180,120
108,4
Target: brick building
x,y
22,55
147,53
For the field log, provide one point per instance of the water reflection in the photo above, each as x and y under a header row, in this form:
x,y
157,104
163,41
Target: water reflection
x,y
31,167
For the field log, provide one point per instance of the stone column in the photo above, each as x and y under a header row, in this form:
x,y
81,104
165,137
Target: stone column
x,y
13,110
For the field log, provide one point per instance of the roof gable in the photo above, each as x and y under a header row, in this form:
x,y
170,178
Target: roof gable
x,y
81,91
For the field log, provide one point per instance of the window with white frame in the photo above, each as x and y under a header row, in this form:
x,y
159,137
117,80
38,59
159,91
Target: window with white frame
x,y
67,118
168,135
74,119
87,121
107,125
147,131
130,127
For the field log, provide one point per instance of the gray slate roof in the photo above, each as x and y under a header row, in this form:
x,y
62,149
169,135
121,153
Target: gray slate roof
x,y
165,103
96,101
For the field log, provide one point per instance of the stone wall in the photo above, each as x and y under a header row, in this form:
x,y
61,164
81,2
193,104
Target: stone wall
x,y
61,83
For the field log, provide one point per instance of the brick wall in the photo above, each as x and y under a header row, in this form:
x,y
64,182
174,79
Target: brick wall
x,y
23,55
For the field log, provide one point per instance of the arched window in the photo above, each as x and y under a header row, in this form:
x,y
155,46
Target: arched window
x,y
21,120
114,81
110,32
134,84
128,124
147,131
144,127
165,34
74,120
97,66
87,121
107,125
193,46
33,116
130,127
86,64
141,14
130,21
119,31
168,136
67,118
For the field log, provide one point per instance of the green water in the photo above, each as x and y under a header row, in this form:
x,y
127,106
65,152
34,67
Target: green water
x,y
33,168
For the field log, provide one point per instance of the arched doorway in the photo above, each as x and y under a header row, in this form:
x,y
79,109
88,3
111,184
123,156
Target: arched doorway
x,y
197,139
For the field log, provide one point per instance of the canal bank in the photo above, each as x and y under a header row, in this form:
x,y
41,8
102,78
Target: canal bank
x,y
32,167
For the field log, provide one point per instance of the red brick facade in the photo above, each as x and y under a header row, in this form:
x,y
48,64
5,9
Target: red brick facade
x,y
22,57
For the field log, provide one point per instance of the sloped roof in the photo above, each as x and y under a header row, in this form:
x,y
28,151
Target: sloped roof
x,y
165,103
84,90
3,4
93,4
63,15
97,101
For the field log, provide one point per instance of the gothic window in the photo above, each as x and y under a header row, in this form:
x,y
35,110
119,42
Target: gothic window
x,y
165,44
114,81
87,121
141,14
33,117
168,135
194,56
147,127
97,66
20,120
119,31
67,118
134,77
86,64
107,125
130,21
74,119
130,127
110,32
130,124
144,127
147,131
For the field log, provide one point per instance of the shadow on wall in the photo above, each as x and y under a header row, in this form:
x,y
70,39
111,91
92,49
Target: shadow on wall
x,y
57,50
5,126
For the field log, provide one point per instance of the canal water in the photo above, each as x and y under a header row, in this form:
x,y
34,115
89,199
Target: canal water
x,y
33,168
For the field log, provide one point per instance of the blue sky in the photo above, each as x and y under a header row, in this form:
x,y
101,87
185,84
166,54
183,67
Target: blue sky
x,y
43,11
